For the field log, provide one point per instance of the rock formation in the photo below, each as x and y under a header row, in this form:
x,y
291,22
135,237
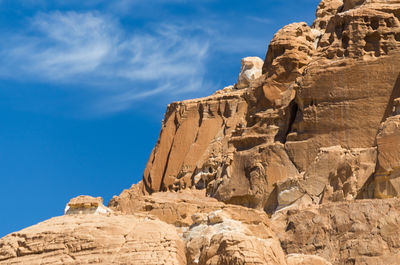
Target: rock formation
x,y
361,232
86,205
296,163
303,127
94,239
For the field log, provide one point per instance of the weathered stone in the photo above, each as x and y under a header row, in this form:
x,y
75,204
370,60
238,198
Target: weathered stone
x,y
94,239
302,136
189,207
337,174
250,179
214,232
250,71
86,205
388,141
301,259
193,140
227,241
289,52
326,9
353,68
360,232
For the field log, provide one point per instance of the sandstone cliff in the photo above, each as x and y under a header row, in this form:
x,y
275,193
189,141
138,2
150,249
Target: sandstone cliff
x,y
320,121
297,163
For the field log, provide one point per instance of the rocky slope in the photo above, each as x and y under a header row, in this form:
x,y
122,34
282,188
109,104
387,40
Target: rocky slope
x,y
297,163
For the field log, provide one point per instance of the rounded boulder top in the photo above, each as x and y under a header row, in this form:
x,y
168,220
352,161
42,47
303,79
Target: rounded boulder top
x,y
84,201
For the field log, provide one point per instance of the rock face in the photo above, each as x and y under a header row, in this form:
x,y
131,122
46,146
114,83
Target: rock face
x,y
305,127
165,228
193,141
361,232
297,163
219,239
296,259
94,239
214,233
353,69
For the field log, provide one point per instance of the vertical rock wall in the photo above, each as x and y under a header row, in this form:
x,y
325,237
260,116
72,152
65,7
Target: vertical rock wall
x,y
258,143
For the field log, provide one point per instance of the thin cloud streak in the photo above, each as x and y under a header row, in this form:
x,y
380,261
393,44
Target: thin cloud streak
x,y
261,20
117,66
91,48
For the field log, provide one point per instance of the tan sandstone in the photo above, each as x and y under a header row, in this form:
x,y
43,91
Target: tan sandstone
x,y
94,239
361,232
310,137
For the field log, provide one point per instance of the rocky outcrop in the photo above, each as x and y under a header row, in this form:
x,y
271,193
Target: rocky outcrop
x,y
94,239
241,132
289,52
86,205
309,137
250,71
361,232
315,92
336,174
325,10
193,141
353,68
164,228
217,239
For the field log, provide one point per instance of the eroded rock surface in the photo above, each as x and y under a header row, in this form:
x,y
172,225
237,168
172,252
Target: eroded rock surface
x,y
86,205
94,239
361,232
221,240
251,70
316,90
310,136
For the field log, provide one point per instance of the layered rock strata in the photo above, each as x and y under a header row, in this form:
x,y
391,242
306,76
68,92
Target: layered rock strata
x,y
304,127
361,232
296,163
94,239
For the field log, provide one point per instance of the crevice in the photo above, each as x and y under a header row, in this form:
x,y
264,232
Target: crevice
x,y
367,190
201,114
219,109
197,136
293,109
162,186
340,9
146,186
209,111
227,111
272,202
173,107
176,122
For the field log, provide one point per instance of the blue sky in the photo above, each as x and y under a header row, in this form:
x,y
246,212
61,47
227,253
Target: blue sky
x,y
84,86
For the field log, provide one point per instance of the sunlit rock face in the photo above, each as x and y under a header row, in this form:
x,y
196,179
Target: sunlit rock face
x,y
94,239
251,70
358,232
268,141
297,163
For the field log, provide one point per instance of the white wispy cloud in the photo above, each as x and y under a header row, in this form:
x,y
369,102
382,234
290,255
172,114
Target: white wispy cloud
x,y
68,44
261,20
94,50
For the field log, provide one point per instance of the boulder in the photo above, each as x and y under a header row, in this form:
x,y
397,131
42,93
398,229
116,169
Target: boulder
x,y
251,70
86,205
